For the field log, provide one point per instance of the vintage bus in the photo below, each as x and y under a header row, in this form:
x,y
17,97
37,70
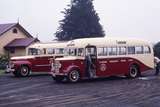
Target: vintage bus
x,y
103,57
37,59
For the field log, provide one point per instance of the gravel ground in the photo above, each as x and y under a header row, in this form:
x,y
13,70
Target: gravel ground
x,y
42,91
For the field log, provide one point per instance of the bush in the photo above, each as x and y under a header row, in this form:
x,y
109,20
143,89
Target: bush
x,y
3,61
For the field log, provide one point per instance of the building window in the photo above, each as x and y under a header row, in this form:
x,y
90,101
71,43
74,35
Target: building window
x,y
15,31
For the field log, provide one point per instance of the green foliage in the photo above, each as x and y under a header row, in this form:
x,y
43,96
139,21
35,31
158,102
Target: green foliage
x,y
1,72
80,21
3,61
156,49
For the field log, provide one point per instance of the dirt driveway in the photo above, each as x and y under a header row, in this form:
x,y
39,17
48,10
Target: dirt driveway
x,y
42,91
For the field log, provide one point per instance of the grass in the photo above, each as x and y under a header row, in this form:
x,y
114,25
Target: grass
x,y
1,71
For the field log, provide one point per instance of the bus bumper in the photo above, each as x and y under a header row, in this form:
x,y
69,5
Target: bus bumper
x,y
54,74
8,70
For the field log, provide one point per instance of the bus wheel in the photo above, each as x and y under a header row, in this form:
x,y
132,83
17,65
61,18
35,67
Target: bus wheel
x,y
74,76
133,71
24,71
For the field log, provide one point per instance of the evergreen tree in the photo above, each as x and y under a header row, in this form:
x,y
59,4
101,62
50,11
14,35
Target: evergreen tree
x,y
80,21
156,49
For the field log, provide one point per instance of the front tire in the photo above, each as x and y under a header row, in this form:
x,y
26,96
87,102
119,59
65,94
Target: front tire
x,y
133,71
24,71
74,76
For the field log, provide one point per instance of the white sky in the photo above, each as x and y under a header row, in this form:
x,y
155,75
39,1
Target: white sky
x,y
119,18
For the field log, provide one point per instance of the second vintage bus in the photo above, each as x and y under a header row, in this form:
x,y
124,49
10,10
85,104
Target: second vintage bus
x,y
38,58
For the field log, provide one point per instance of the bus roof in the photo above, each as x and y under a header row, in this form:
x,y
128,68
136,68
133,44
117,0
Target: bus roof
x,y
100,42
49,45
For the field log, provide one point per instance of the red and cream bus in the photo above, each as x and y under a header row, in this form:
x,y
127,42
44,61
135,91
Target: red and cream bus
x,y
103,57
37,59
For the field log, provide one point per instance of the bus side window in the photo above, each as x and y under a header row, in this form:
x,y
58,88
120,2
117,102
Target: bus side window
x,y
33,51
122,51
61,51
131,50
139,49
80,52
100,51
72,52
112,51
146,49
109,51
50,51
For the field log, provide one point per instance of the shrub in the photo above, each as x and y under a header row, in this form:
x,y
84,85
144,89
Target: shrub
x,y
3,61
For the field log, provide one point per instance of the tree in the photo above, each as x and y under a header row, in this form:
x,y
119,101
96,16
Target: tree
x,y
156,49
80,21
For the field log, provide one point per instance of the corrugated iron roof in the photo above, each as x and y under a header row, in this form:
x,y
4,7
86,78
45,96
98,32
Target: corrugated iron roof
x,y
22,42
6,27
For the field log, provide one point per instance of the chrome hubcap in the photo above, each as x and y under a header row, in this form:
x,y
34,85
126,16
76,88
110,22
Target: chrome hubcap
x,y
24,71
74,75
133,72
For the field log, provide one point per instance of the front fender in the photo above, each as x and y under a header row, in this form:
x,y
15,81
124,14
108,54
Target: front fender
x,y
72,67
18,64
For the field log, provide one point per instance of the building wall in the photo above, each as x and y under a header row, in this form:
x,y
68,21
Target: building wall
x,y
19,52
8,36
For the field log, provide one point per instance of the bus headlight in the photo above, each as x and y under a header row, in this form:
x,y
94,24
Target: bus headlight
x,y
57,65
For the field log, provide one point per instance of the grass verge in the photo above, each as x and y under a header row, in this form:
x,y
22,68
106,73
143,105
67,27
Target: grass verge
x,y
1,71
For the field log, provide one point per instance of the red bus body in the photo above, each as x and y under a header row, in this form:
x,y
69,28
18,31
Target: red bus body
x,y
38,60
35,63
105,65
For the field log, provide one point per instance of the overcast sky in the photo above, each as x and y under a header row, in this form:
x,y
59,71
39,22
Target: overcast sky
x,y
119,18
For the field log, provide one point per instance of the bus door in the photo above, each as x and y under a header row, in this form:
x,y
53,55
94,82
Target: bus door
x,y
90,61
